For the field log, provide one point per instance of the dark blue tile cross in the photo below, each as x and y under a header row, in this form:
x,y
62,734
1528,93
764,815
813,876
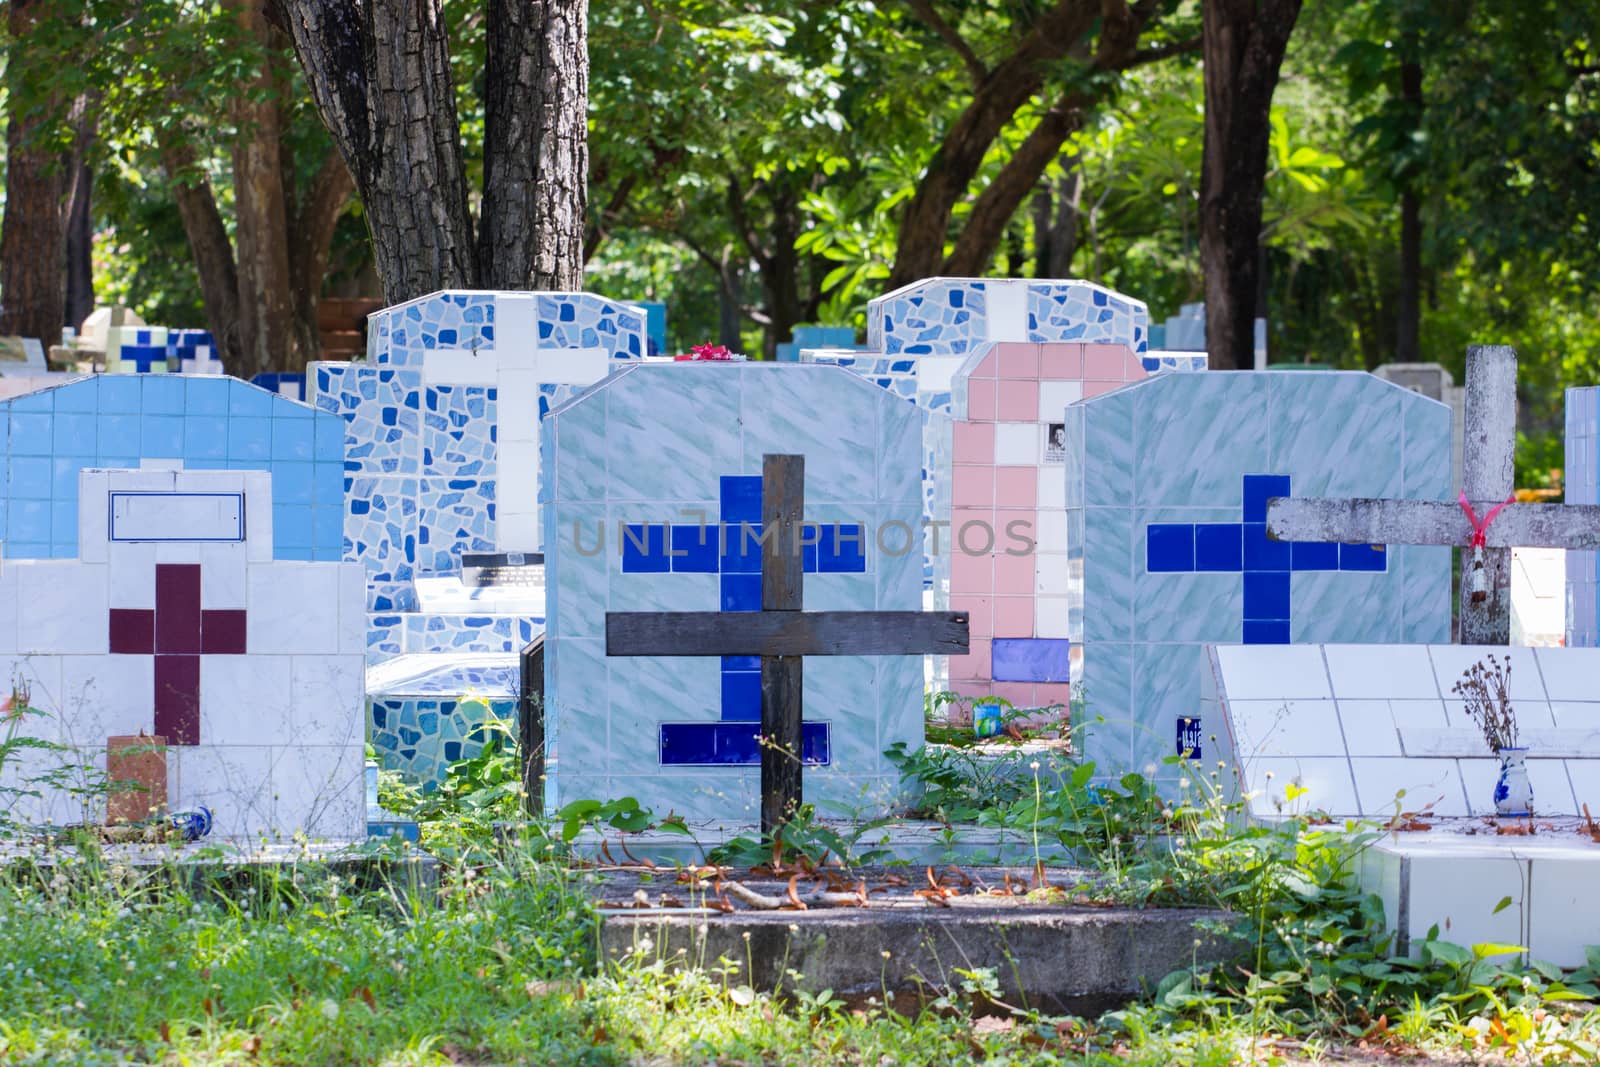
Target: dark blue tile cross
x,y
1244,547
731,548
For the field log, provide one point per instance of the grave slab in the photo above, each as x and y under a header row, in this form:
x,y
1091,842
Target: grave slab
x,y
1167,483
656,483
1004,554
176,621
1373,731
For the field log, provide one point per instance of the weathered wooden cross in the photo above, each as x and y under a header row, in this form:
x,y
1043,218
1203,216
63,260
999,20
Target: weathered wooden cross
x,y
1489,525
781,633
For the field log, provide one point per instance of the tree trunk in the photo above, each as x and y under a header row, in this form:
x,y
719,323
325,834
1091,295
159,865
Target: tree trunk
x,y
379,74
33,232
80,248
1064,233
310,241
536,145
261,217
1010,85
1243,44
1408,301
208,244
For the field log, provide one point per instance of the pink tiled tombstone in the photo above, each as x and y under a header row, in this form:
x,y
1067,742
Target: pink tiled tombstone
x,y
1008,532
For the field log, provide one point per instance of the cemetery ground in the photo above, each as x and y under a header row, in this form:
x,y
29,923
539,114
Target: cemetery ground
x,y
112,962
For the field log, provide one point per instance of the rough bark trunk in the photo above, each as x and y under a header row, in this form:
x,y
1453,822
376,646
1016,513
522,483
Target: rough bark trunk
x,y
261,215
1012,83
1064,233
379,73
310,241
208,244
1243,45
1408,301
33,231
536,146
80,248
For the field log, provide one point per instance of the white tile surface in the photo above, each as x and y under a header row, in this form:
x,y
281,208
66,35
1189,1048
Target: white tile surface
x,y
1422,715
222,577
935,373
8,611
1585,778
1452,742
1050,617
234,781
352,582
1007,310
1459,894
1450,662
1054,398
293,607
1369,728
1016,444
1052,491
244,700
1052,532
105,696
327,700
318,789
132,576
1286,728
1381,672
1570,674
62,607
1432,785
1272,672
1562,917
1575,715
1326,782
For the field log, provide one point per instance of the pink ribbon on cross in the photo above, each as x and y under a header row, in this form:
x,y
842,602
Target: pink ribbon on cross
x,y
1480,529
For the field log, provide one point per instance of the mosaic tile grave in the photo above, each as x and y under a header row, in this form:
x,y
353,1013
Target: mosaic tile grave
x,y
662,462
1167,482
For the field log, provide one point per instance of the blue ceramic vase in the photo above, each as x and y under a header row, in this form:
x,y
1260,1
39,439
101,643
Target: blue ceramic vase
x,y
1513,793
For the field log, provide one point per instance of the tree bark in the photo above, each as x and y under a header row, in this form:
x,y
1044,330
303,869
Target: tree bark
x,y
379,73
310,241
267,340
33,232
1408,301
80,248
1243,44
536,145
208,244
1064,232
1009,85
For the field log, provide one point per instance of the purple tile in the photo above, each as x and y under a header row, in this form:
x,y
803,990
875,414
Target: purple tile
x,y
178,699
178,608
222,631
133,631
1030,659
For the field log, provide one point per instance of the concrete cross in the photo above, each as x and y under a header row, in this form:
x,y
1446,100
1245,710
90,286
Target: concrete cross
x,y
515,368
1489,444
177,632
781,634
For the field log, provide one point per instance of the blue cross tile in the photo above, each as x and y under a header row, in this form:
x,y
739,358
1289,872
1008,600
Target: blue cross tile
x,y
730,547
1244,548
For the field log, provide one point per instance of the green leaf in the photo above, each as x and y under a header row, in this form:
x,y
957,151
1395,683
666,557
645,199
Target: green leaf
x,y
1505,902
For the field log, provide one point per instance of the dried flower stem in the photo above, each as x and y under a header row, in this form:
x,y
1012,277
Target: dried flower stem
x,y
1486,691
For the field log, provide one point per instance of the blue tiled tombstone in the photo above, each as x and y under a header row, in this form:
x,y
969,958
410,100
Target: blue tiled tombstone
x,y
655,470
195,423
1167,484
1582,480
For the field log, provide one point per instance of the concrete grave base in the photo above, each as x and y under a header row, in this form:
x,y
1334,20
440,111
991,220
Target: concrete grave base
x,y
1059,958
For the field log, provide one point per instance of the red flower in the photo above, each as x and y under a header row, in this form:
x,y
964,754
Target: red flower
x,y
704,352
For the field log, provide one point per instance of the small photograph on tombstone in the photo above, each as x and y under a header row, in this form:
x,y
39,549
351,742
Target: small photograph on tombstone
x,y
1055,442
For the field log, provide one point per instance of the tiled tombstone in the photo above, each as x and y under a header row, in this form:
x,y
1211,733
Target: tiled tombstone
x,y
1167,482
176,620
1582,480
919,336
1005,553
656,470
198,423
1374,731
442,423
442,459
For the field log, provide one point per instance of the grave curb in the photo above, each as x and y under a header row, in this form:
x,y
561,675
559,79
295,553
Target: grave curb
x,y
1061,959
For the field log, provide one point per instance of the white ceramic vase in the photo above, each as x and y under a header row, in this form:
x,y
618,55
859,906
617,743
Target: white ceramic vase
x,y
1513,793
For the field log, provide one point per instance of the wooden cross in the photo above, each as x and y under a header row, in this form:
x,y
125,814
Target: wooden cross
x,y
1489,443
781,633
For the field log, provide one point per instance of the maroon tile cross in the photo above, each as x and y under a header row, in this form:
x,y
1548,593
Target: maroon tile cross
x,y
177,632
